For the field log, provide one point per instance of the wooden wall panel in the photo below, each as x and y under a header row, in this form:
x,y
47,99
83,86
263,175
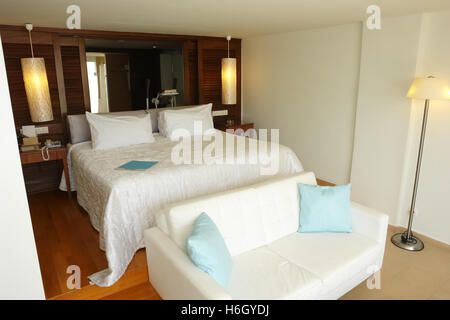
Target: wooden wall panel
x,y
84,74
73,82
190,72
210,54
13,34
13,53
42,176
64,54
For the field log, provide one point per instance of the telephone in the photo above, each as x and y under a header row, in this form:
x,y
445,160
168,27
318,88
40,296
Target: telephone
x,y
49,144
52,144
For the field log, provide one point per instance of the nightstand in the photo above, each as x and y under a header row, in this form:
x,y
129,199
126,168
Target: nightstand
x,y
243,129
54,154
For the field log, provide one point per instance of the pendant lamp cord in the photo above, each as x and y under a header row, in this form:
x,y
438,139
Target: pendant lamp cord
x,y
31,44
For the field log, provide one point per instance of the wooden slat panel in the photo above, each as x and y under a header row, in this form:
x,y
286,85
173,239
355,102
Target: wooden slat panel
x,y
84,74
20,36
70,56
56,131
103,34
13,53
210,54
41,176
65,64
190,72
60,75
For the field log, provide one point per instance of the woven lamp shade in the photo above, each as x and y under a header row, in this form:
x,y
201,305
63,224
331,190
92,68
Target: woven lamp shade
x,y
36,87
228,81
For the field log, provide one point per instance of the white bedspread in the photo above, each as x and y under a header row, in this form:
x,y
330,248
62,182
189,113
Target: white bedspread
x,y
122,204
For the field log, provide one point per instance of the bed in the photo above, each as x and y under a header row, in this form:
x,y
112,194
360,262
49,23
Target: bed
x,y
121,204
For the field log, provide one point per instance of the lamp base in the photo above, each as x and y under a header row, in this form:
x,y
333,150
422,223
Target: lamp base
x,y
411,244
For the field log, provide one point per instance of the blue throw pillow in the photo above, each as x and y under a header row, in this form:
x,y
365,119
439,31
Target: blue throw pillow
x,y
208,251
324,209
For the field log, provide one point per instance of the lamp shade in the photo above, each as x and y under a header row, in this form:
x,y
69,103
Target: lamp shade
x,y
228,81
36,87
429,89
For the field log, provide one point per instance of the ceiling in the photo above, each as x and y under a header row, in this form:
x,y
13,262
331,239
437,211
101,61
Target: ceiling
x,y
239,18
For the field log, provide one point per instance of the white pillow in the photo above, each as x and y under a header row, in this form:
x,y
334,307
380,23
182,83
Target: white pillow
x,y
119,131
78,128
190,110
134,113
187,122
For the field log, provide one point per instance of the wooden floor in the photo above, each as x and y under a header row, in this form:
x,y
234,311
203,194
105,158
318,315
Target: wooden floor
x,y
64,237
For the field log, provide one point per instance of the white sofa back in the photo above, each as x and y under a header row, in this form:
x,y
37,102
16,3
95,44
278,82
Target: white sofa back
x,y
248,217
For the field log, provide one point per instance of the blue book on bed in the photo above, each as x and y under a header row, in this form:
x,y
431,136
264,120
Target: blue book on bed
x,y
138,165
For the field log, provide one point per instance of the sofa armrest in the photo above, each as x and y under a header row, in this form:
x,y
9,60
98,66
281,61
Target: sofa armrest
x,y
172,273
369,222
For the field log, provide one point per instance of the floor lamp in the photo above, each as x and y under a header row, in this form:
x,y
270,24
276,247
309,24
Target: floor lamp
x,y
427,89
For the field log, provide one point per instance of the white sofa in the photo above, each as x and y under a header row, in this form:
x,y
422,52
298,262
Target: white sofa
x,y
271,260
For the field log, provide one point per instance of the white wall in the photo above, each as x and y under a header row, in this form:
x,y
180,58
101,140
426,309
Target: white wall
x,y
388,124
330,90
388,63
305,84
20,276
433,204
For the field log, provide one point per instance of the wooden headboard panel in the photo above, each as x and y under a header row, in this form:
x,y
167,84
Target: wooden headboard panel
x,y
13,53
210,54
65,59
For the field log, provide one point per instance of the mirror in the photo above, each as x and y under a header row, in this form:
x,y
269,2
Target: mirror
x,y
132,75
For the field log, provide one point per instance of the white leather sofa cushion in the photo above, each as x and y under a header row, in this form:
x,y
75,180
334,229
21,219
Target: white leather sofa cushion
x,y
288,265
263,214
279,205
224,210
262,274
333,257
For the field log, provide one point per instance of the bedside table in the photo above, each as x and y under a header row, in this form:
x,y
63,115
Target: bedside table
x,y
54,154
243,129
